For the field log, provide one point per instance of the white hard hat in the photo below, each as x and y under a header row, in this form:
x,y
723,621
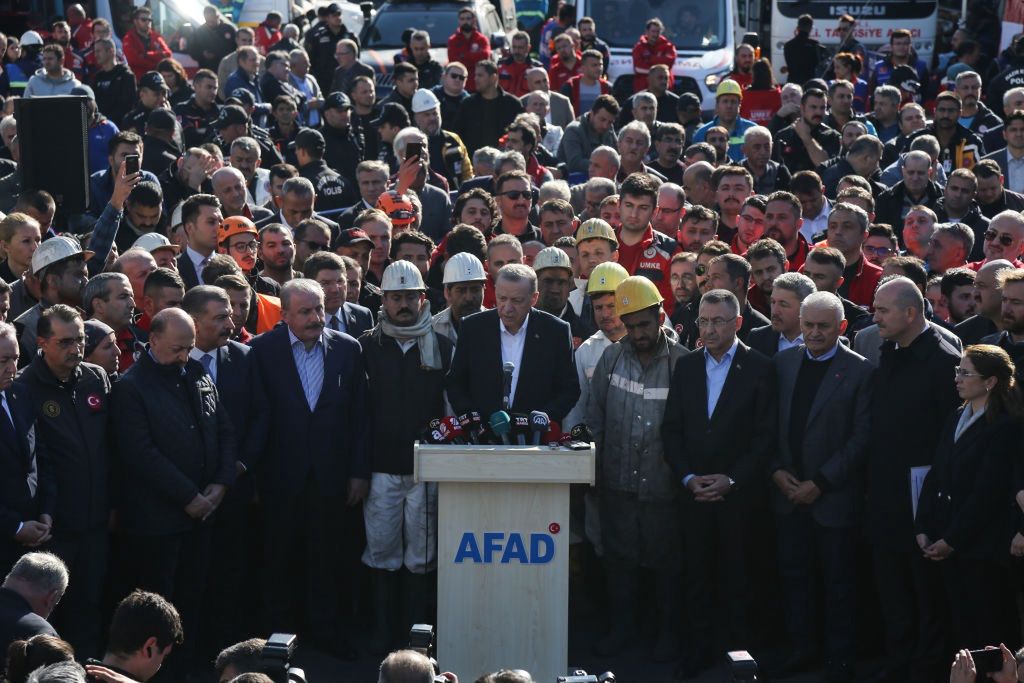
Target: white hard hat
x,y
424,100
30,38
402,276
54,250
154,241
551,257
464,267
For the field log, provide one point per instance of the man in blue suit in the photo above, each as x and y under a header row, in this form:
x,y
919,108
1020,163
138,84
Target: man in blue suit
x,y
27,489
230,366
315,461
328,270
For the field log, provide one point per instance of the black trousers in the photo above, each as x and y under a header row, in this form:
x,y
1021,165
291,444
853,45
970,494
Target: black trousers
x,y
980,593
717,580
76,617
177,567
914,612
304,567
815,559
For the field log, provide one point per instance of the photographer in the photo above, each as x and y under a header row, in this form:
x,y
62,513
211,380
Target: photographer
x,y
240,658
407,666
144,630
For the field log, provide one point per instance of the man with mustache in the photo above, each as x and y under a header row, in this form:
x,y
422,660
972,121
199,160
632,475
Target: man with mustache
x,y
807,142
317,446
733,184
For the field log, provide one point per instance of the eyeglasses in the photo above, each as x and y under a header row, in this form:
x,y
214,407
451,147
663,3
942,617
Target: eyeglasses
x,y
70,342
516,195
715,323
960,372
243,247
751,219
877,251
1005,239
314,246
701,269
666,209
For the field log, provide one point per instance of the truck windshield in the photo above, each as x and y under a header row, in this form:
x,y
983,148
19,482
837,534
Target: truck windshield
x,y
690,25
386,31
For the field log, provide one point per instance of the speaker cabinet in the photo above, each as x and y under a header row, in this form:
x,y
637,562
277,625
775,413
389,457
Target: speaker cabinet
x,y
53,139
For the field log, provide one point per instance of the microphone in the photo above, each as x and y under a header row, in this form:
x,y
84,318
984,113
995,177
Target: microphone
x,y
506,399
432,434
539,423
500,425
520,427
581,432
453,430
554,433
467,427
478,429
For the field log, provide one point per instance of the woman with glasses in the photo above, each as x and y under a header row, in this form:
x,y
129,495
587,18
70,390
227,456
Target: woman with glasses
x,y
964,519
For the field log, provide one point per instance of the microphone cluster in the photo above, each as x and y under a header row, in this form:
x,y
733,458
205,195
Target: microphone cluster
x,y
500,428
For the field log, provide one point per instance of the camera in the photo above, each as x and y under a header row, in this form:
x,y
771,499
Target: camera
x,y
581,676
742,666
276,657
422,640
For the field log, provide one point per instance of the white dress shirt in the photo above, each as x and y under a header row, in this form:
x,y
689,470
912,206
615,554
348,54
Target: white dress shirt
x,y
786,344
512,350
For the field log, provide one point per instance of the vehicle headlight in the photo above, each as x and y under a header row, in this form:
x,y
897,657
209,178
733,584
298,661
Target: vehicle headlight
x,y
712,80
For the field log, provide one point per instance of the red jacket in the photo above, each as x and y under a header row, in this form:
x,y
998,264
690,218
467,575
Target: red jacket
x,y
760,105
646,55
572,90
143,57
559,74
512,75
468,50
266,39
652,258
861,288
796,261
81,34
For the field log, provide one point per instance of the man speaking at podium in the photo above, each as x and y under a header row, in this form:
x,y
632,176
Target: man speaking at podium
x,y
536,344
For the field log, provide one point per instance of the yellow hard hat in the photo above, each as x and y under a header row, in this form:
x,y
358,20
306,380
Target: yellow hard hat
x,y
729,87
605,278
634,294
595,228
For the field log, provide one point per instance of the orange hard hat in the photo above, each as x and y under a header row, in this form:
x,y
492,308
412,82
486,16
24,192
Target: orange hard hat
x,y
398,207
235,225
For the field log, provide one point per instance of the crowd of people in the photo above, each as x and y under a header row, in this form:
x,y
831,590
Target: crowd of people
x,y
794,330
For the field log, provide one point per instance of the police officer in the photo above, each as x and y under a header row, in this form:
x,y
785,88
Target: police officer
x,y
332,191
233,123
321,41
152,95
70,400
200,111
406,361
344,148
640,520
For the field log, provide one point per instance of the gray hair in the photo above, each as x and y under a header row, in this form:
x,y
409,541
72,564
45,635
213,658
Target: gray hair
x,y
928,144
721,296
958,231
245,144
97,288
486,156
793,86
606,185
964,75
798,283
517,159
1012,92
610,152
404,137
554,189
291,31
8,122
61,672
516,273
889,92
45,572
644,96
820,300
859,213
300,285
864,144
373,166
919,154
10,331
757,132
635,127
196,299
542,95
298,186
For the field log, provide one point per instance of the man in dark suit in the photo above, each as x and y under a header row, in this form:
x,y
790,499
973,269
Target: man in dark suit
x,y
176,456
718,433
201,218
27,488
339,315
788,292
538,345
731,272
823,427
31,590
912,397
230,365
1013,134
315,460
295,204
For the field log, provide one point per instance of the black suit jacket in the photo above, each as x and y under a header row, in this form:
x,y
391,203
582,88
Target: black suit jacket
x,y
27,483
547,377
834,439
326,445
358,319
752,319
764,340
187,271
18,621
739,437
240,390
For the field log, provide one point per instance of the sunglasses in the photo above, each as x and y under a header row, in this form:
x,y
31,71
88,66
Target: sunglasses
x,y
1004,239
458,77
516,195
313,246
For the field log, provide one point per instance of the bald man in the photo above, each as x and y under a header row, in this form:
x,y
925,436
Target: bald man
x,y
912,395
177,456
229,187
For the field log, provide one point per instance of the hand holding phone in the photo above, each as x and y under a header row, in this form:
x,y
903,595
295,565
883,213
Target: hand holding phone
x,y
131,164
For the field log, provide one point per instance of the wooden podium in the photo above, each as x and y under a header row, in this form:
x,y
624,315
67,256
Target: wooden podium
x,y
503,555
